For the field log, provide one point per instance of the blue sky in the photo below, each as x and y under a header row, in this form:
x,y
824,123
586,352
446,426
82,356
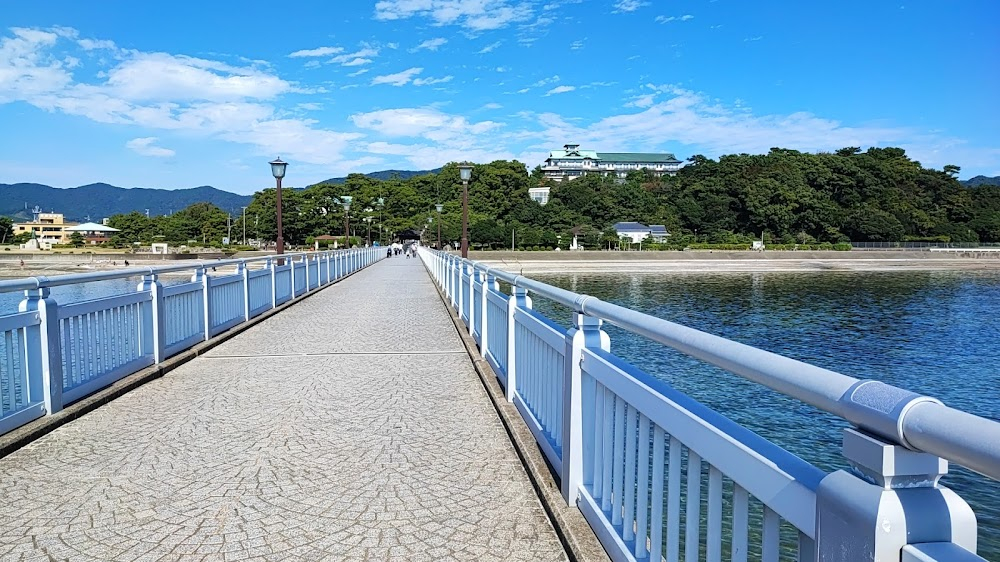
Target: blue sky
x,y
179,94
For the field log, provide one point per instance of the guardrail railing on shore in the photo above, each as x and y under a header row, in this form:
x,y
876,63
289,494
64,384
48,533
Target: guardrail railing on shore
x,y
52,354
636,456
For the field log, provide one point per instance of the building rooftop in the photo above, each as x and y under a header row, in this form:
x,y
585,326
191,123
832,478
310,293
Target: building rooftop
x,y
664,158
630,227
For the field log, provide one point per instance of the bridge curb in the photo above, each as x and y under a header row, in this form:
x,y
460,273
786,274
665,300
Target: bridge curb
x,y
573,530
24,435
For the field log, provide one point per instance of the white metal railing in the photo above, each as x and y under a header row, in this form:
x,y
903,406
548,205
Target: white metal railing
x,y
660,476
52,354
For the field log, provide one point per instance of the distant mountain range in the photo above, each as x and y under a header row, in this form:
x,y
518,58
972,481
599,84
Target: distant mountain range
x,y
981,180
388,174
101,200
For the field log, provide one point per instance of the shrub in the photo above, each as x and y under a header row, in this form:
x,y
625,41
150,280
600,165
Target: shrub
x,y
842,247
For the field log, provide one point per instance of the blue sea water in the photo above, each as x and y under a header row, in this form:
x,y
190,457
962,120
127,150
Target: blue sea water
x,y
936,333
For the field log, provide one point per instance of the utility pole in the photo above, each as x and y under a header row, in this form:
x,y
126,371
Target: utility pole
x,y
244,226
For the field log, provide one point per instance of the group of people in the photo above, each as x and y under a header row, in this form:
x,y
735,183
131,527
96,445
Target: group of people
x,y
396,248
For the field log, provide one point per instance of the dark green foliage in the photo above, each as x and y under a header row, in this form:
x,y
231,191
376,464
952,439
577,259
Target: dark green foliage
x,y
814,201
6,231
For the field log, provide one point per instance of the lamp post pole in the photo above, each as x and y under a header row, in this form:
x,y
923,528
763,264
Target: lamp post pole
x,y
465,172
244,226
439,207
345,200
278,171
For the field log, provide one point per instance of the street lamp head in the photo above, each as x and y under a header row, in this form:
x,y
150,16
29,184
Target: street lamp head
x,y
345,200
278,168
465,171
439,207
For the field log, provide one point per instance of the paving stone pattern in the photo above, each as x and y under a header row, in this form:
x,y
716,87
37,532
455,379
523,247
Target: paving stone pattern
x,y
348,427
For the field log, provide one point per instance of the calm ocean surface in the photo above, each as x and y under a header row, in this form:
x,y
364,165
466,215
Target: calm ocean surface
x,y
936,333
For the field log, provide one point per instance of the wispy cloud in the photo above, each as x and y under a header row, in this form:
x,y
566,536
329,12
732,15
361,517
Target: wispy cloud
x,y
560,90
358,72
429,81
628,5
144,146
357,58
668,19
492,105
489,48
576,45
399,78
318,52
475,15
755,38
430,44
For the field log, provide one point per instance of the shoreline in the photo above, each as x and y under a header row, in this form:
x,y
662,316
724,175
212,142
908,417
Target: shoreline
x,y
733,262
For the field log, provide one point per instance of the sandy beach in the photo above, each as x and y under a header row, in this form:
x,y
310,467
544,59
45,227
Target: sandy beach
x,y
719,262
593,262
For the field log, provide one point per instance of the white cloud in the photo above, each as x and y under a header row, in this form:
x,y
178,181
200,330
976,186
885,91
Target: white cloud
x,y
144,146
160,91
318,52
91,44
27,69
475,15
429,81
644,100
665,19
544,81
560,90
492,105
489,48
362,56
161,77
358,73
695,120
428,123
430,44
399,78
576,45
628,5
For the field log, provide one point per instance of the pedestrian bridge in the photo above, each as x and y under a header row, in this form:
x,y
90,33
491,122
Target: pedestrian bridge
x,y
276,420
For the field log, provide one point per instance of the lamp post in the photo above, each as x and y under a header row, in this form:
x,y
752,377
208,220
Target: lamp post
x,y
465,172
345,200
439,207
244,226
278,171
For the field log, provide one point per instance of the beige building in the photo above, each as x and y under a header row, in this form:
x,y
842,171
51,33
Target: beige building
x,y
50,228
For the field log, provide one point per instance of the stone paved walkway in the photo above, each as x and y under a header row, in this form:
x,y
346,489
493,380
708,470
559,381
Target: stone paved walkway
x,y
348,427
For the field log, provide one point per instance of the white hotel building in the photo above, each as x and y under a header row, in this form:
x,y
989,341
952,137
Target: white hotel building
x,y
571,163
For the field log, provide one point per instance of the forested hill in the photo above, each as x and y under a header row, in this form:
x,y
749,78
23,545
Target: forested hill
x,y
981,180
101,200
386,175
789,196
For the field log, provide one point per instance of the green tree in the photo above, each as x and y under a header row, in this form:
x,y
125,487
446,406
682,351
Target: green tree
x,y
6,230
76,239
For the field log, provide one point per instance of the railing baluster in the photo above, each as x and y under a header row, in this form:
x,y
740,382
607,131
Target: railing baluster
x,y
642,490
628,532
741,523
713,547
656,510
607,463
617,469
771,539
692,532
598,432
674,501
